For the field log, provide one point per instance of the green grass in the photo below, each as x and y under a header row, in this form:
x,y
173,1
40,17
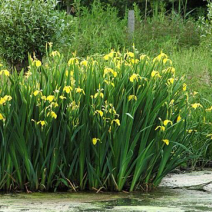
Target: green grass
x,y
196,65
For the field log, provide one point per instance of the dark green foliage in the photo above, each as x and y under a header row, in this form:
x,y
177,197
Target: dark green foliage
x,y
94,31
26,26
99,29
152,7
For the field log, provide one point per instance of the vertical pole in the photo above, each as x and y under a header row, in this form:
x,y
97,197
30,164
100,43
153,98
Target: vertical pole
x,y
146,6
131,23
68,7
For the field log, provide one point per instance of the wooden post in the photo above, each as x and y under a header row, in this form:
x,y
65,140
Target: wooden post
x,y
131,23
68,7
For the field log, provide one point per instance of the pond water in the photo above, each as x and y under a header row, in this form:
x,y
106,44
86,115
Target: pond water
x,y
167,198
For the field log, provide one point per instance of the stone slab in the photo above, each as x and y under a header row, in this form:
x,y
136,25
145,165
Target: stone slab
x,y
186,180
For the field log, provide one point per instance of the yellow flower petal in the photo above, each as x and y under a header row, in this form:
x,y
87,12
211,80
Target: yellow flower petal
x,y
80,90
184,87
166,141
170,81
162,128
50,98
52,114
190,131
98,94
55,53
132,97
67,89
84,63
43,98
209,135
117,121
73,61
130,54
99,112
209,109
36,92
196,105
7,98
166,122
1,117
42,123
134,77
134,61
38,63
62,97
179,118
94,140
165,60
143,56
155,74
160,57
6,73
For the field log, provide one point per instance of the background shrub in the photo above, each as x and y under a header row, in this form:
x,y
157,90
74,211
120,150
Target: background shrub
x,y
151,7
99,29
94,30
205,25
26,26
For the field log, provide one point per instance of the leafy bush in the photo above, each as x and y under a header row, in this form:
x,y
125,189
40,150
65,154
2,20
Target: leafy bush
x,y
205,25
26,26
113,122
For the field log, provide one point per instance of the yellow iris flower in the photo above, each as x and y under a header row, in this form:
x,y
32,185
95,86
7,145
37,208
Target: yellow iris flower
x,y
132,97
184,87
162,128
196,105
166,141
67,89
117,121
99,112
170,81
155,74
134,77
38,63
52,114
42,123
50,98
98,94
5,99
166,122
110,70
179,118
95,140
209,109
80,90
36,92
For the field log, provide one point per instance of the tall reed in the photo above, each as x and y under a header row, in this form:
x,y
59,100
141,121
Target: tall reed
x,y
113,122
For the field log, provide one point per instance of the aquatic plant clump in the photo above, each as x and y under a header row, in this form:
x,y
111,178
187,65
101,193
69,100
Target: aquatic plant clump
x,y
111,122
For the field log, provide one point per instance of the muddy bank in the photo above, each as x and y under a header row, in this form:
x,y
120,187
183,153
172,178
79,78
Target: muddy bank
x,y
177,192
